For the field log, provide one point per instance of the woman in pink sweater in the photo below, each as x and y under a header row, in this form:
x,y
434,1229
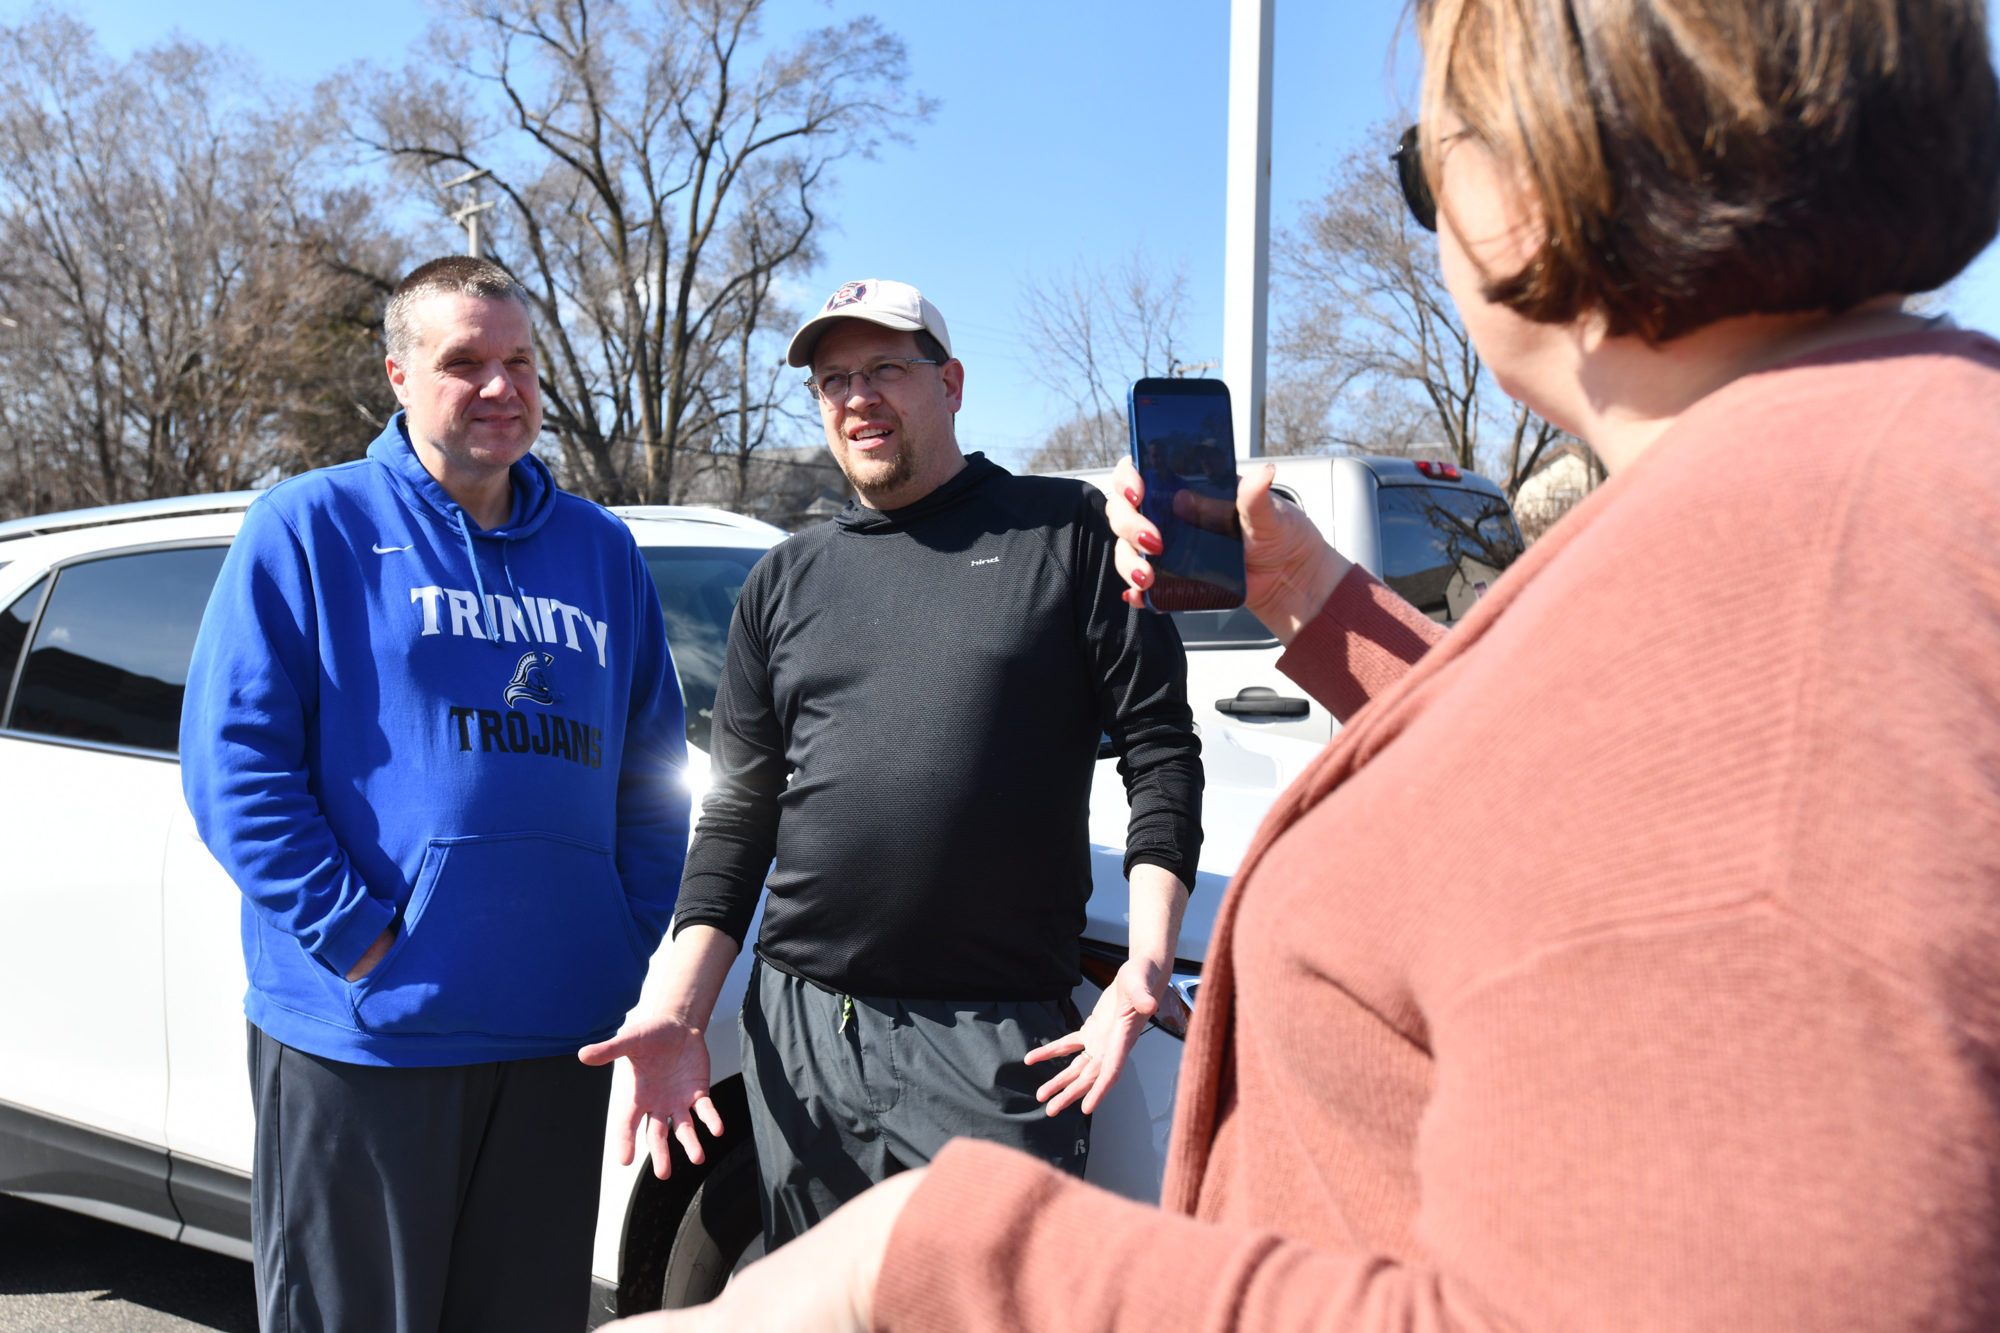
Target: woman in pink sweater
x,y
1631,959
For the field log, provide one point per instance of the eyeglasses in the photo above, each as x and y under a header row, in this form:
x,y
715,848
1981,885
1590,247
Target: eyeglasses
x,y
1416,189
884,374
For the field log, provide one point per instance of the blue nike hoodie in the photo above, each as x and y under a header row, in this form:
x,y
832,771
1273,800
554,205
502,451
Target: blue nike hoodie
x,y
393,715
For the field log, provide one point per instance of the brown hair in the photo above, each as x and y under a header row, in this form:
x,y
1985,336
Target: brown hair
x,y
453,275
1698,159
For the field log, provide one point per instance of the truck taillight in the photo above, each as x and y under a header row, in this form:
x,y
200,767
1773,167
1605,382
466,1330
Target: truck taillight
x,y
1442,471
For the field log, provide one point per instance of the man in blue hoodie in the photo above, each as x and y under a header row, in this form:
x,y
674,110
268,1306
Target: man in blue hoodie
x,y
433,733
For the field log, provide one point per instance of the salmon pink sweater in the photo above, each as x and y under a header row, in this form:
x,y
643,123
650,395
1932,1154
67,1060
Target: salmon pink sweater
x,y
1631,961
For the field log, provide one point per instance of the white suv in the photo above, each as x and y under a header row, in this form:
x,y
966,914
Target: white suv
x,y
124,1091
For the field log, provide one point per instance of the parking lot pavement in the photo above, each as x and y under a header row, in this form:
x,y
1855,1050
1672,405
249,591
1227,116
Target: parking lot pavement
x,y
60,1271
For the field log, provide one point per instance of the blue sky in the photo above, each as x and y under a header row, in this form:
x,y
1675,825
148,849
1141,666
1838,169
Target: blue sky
x,y
1067,133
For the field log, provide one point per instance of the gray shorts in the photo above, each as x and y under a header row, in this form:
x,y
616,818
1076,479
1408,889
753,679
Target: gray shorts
x,y
845,1091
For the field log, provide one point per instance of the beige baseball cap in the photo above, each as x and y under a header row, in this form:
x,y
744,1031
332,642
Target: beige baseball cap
x,y
893,305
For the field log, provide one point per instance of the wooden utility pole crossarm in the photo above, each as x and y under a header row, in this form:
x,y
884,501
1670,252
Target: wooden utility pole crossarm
x,y
468,216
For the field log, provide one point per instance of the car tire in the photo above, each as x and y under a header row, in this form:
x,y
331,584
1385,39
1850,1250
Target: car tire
x,y
722,1222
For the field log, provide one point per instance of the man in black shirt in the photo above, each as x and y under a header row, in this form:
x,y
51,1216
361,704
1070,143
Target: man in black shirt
x,y
908,721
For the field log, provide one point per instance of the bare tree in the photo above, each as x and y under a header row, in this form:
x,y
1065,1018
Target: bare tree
x,y
660,168
338,397
1094,331
1297,405
1368,313
754,402
1568,473
1079,441
174,320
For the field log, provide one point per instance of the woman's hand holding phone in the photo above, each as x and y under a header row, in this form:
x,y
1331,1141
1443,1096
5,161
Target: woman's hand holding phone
x,y
1289,569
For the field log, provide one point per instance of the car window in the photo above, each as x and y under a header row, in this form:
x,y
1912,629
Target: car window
x,y
1443,546
15,622
110,657
698,587
1222,629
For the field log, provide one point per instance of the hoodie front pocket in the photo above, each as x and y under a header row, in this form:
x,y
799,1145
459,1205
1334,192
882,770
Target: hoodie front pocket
x,y
508,935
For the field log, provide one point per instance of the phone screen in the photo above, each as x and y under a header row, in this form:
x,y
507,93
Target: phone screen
x,y
1182,442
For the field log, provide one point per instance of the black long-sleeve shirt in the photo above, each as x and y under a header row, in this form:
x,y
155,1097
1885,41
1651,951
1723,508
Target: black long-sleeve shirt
x,y
908,719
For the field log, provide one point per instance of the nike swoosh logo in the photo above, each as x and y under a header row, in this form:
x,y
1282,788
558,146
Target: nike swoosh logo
x,y
391,550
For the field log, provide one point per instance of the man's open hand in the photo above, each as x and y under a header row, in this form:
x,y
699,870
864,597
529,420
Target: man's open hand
x,y
1105,1039
669,1088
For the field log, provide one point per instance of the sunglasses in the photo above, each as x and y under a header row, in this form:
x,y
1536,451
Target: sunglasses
x,y
1409,161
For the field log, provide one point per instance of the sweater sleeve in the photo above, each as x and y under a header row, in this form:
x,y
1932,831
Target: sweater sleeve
x,y
652,812
1363,641
1140,668
253,688
737,834
994,1241
1714,1123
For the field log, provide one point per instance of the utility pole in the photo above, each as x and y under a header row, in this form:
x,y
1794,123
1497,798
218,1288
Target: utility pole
x,y
1246,268
468,216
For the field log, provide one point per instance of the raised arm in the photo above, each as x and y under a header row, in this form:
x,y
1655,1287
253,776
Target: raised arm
x,y
1350,636
1289,568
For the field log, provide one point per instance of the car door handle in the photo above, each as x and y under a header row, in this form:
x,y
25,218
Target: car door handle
x,y
1262,701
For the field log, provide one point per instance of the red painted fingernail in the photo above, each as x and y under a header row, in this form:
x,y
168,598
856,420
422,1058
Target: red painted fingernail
x,y
1132,497
1149,542
1142,577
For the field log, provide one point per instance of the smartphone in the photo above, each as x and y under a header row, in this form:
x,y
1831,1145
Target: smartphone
x,y
1182,442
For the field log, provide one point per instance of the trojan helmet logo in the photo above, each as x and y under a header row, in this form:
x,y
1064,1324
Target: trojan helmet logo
x,y
849,294
531,680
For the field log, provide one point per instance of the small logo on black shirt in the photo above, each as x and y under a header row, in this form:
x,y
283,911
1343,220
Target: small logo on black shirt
x,y
989,560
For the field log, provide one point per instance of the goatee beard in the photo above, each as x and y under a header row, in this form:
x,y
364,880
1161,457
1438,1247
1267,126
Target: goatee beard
x,y
900,471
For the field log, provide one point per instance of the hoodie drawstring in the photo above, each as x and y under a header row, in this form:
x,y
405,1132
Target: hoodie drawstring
x,y
507,567
485,605
508,570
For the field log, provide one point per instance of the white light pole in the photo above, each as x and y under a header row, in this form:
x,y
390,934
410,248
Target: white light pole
x,y
1246,268
468,216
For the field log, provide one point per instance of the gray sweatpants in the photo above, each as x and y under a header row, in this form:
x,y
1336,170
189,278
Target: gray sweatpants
x,y
845,1091
453,1200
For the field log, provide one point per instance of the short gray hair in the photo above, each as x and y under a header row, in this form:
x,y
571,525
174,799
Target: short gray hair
x,y
453,275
